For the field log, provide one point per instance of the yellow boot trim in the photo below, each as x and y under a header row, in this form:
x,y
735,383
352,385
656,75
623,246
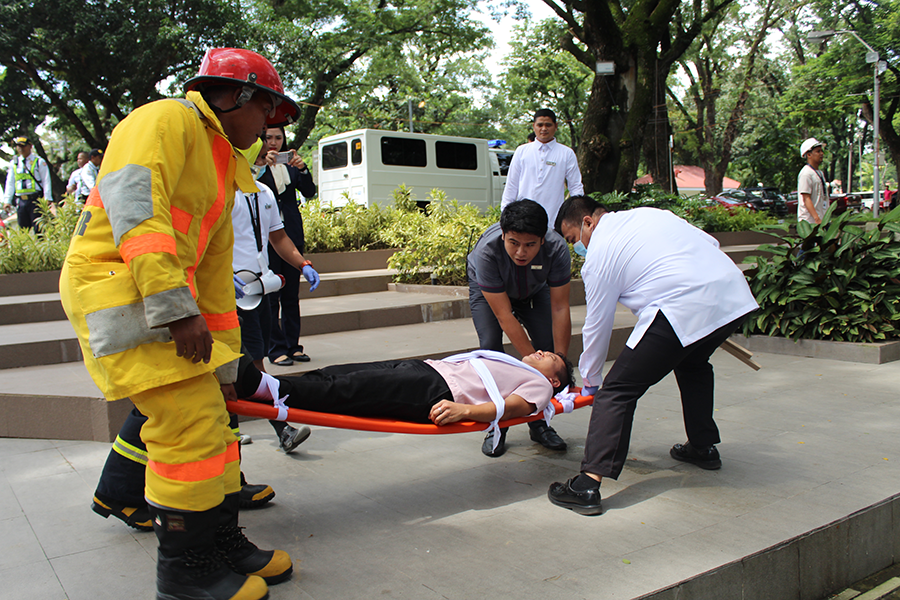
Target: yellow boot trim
x,y
278,569
253,589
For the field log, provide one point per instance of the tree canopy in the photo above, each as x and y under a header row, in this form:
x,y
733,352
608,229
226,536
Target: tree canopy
x,y
738,84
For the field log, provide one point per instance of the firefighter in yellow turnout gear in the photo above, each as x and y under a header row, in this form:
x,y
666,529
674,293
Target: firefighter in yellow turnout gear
x,y
147,285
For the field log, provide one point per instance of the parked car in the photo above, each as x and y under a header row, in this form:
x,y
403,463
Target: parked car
x,y
866,200
845,202
790,203
732,204
773,201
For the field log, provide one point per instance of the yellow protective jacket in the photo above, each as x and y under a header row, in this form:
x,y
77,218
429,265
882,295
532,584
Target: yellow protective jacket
x,y
154,245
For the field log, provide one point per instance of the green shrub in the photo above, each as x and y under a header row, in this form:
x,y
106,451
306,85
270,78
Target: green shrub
x,y
720,218
845,286
348,228
436,244
23,251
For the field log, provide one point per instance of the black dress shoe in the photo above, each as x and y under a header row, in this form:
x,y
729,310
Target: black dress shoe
x,y
546,436
585,502
705,457
487,446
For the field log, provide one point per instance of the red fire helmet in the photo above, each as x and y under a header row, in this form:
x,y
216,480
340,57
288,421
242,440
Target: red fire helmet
x,y
247,69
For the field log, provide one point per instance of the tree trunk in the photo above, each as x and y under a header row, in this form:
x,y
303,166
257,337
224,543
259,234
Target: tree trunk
x,y
656,138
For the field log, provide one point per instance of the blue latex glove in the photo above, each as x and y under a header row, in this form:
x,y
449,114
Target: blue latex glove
x,y
311,276
589,390
238,287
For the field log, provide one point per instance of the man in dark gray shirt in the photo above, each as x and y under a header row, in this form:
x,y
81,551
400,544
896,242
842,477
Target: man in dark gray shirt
x,y
519,275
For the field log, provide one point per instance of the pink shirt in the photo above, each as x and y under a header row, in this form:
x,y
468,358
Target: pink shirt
x,y
467,388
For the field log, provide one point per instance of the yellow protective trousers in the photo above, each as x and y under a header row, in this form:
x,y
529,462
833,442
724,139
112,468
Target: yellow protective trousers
x,y
193,458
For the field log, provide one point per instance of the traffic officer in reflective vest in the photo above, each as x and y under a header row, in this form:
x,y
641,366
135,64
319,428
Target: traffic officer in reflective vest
x,y
27,180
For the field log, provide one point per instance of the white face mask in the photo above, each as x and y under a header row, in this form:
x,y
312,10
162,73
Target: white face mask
x,y
579,247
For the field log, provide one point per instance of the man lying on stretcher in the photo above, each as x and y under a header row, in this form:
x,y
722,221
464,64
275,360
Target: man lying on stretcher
x,y
440,391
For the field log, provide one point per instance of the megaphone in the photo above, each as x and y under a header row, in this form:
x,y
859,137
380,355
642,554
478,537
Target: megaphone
x,y
255,287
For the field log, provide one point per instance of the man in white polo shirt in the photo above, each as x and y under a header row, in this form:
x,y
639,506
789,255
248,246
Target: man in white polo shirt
x,y
688,297
542,170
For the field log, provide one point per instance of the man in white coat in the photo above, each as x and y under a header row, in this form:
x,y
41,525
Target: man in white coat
x,y
688,297
542,170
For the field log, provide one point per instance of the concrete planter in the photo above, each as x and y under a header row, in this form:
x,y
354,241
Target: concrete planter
x,y
61,417
875,354
337,262
743,238
25,284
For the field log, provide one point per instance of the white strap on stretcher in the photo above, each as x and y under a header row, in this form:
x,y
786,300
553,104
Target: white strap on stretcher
x,y
268,390
491,386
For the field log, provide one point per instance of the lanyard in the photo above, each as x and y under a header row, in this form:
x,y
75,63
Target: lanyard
x,y
255,220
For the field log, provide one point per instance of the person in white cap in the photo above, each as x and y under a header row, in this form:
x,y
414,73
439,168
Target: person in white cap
x,y
811,187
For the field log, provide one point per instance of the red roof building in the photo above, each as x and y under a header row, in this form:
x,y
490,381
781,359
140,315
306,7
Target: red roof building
x,y
690,179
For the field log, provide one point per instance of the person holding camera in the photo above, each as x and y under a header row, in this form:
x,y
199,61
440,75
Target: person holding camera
x,y
286,175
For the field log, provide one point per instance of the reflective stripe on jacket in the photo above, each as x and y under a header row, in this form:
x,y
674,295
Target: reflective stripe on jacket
x,y
154,245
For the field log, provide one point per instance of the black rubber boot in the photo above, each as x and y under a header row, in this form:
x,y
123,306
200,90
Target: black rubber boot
x,y
133,516
189,565
274,566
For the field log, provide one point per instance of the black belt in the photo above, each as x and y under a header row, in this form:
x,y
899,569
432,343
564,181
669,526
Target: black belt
x,y
33,196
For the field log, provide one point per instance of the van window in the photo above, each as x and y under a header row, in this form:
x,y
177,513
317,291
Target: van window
x,y
334,156
356,151
403,152
504,158
453,155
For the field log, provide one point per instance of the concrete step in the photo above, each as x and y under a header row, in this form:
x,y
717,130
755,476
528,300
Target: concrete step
x,y
51,342
46,306
31,308
42,343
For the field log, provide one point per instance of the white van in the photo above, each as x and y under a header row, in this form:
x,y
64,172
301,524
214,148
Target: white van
x,y
369,164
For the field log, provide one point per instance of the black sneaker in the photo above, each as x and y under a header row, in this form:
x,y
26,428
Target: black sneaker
x,y
291,437
705,457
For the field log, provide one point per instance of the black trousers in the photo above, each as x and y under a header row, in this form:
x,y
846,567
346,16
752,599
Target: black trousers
x,y
393,389
285,331
657,354
28,211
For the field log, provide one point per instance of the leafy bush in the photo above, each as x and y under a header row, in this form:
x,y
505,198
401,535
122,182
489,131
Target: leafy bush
x,y
720,218
23,251
436,244
844,286
351,227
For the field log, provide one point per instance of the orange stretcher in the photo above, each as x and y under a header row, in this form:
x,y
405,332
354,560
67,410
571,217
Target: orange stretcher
x,y
307,417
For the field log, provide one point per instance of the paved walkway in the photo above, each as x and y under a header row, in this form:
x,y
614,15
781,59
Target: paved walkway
x,y
806,442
